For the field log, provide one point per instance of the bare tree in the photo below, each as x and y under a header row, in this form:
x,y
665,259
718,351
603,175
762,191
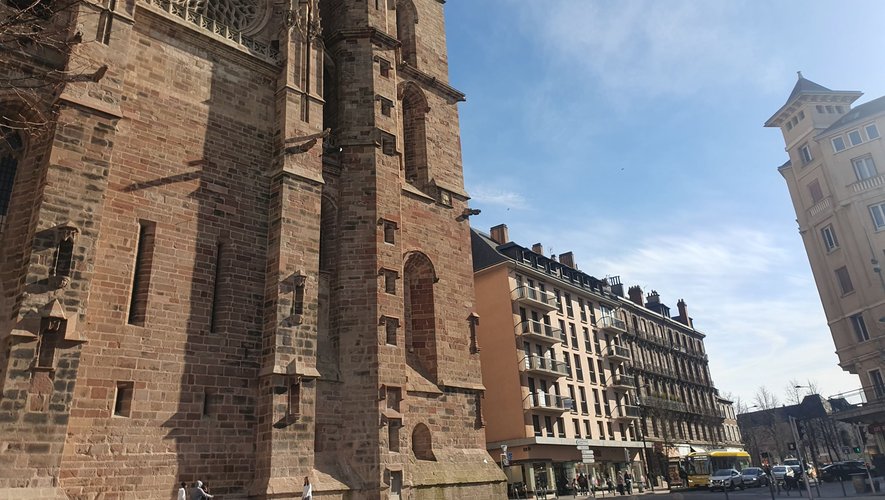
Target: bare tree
x,y
765,399
38,58
794,392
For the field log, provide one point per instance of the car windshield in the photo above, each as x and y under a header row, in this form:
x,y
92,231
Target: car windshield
x,y
722,472
752,471
779,468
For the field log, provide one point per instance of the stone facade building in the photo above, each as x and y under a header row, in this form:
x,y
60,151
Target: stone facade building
x,y
568,360
833,175
238,252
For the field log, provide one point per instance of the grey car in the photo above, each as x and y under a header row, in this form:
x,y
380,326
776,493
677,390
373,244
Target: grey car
x,y
754,476
726,478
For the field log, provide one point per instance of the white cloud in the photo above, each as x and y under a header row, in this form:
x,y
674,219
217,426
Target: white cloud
x,y
677,46
488,195
758,305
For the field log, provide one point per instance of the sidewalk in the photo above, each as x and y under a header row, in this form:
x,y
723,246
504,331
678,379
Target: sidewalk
x,y
601,494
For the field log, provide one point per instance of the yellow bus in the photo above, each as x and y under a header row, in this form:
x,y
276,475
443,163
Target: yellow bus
x,y
699,465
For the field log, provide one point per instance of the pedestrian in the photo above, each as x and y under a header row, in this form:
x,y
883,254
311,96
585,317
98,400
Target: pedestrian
x,y
182,492
199,493
574,486
307,494
609,484
628,482
582,483
620,480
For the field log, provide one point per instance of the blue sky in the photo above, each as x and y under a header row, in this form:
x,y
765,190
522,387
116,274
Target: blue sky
x,y
630,132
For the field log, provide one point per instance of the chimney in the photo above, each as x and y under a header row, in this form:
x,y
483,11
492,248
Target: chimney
x,y
499,234
568,259
683,313
538,249
635,294
653,298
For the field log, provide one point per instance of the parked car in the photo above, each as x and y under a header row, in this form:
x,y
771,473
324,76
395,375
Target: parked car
x,y
726,478
754,476
779,472
841,471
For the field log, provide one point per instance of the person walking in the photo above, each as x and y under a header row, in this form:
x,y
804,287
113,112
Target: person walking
x,y
199,493
182,492
307,494
620,480
628,482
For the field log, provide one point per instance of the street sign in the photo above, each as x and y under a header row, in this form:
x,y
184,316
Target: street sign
x,y
791,446
582,442
588,461
583,447
586,453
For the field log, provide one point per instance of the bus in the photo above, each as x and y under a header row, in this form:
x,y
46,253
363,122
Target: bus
x,y
699,465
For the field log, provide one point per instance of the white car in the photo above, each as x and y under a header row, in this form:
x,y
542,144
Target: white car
x,y
726,478
778,472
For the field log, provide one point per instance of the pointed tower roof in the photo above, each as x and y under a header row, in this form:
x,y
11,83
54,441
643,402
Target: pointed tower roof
x,y
805,85
805,90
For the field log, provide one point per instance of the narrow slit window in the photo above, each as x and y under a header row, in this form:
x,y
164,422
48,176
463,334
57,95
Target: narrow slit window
x,y
207,403
295,398
390,282
389,232
393,434
123,399
216,288
141,275
298,296
390,327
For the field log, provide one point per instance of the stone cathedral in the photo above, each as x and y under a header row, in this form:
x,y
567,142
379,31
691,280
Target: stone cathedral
x,y
234,247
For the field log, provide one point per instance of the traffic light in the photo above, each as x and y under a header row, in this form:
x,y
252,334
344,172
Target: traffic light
x,y
800,429
857,449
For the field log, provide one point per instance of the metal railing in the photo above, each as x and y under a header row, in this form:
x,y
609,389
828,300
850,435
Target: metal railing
x,y
545,365
617,351
540,400
541,330
611,323
628,411
619,380
534,295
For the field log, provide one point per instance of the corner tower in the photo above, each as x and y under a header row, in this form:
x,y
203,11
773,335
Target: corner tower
x,y
399,403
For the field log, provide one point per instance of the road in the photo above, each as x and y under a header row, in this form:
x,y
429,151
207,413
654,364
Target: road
x,y
827,490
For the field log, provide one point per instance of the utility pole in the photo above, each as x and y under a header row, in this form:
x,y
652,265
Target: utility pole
x,y
799,450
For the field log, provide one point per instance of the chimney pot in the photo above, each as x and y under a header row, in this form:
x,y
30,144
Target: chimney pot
x,y
635,294
538,249
500,234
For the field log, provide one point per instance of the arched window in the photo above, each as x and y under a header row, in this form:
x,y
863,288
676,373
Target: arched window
x,y
406,21
420,319
415,108
422,443
11,146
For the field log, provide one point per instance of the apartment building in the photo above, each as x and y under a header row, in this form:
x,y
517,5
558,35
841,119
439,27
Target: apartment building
x,y
580,378
835,153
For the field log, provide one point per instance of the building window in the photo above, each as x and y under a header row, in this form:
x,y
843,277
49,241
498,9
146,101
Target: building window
x,y
579,371
878,213
864,167
860,328
805,152
569,311
574,335
583,394
872,131
816,192
838,144
878,383
141,275
829,237
568,365
560,425
123,399
548,427
536,425
577,424
558,300
844,280
854,137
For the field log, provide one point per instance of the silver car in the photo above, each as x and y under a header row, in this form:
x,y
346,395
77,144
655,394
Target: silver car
x,y
726,478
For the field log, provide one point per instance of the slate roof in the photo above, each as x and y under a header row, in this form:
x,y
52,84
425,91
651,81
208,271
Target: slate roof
x,y
485,250
858,113
806,85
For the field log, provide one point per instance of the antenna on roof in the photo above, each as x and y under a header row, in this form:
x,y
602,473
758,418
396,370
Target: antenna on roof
x,y
800,75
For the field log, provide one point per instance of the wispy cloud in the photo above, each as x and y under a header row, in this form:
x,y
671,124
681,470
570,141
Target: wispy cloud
x,y
678,46
484,194
760,331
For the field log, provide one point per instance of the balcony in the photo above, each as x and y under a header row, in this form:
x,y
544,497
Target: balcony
x,y
628,412
544,366
611,324
618,353
659,403
868,184
624,382
534,298
542,401
540,331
